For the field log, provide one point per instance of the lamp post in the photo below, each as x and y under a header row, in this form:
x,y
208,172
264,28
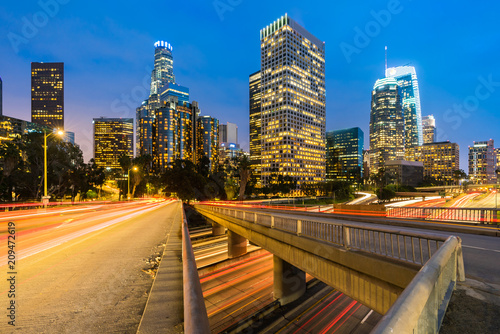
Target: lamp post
x,y
128,180
45,198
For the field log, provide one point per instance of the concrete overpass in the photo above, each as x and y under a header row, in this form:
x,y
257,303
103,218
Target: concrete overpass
x,y
373,266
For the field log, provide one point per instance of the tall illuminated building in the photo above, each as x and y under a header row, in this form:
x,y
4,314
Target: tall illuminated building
x,y
386,124
47,94
482,162
293,103
163,71
344,154
497,153
113,137
174,133
429,129
440,160
207,140
255,124
406,77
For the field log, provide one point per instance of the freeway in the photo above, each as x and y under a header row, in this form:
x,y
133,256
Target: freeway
x,y
83,269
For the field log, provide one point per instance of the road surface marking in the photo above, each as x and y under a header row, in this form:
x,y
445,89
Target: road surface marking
x,y
486,249
366,317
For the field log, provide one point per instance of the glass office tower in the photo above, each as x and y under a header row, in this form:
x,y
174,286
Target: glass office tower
x,y
47,94
406,77
482,162
387,140
163,71
293,103
429,129
344,154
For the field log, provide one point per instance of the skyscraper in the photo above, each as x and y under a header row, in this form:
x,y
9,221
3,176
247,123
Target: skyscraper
x,y
255,124
228,133
482,162
406,77
47,94
207,140
386,124
293,103
1,99
163,71
429,129
344,154
113,137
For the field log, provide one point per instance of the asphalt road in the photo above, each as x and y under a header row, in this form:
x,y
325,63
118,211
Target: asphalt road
x,y
81,271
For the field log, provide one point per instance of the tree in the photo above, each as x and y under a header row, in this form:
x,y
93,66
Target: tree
x,y
184,181
245,172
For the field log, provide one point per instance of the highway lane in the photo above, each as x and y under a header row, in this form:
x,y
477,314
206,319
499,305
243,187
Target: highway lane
x,y
333,312
235,292
92,281
213,251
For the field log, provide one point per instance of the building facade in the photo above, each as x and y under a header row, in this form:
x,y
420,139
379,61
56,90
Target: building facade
x,y
255,124
386,124
207,140
406,78
163,72
429,129
113,137
344,154
228,133
47,94
293,97
12,128
482,162
440,160
405,173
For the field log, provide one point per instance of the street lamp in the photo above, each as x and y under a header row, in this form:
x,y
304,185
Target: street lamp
x,y
45,198
128,180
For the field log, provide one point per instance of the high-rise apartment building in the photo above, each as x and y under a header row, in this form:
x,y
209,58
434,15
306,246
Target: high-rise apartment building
x,y
386,124
344,154
207,141
255,124
429,129
228,133
406,78
113,137
482,162
293,103
440,160
47,94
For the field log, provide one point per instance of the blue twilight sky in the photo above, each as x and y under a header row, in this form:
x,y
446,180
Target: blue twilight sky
x,y
107,48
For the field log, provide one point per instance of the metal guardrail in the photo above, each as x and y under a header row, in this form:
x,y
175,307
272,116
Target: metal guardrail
x,y
414,248
422,305
195,312
478,215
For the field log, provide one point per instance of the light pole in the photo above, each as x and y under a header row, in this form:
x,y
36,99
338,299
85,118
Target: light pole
x,y
128,180
45,198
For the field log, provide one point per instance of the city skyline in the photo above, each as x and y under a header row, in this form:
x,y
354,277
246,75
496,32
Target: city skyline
x,y
101,74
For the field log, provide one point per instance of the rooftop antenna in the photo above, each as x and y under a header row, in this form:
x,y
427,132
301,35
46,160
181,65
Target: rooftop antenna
x,y
385,59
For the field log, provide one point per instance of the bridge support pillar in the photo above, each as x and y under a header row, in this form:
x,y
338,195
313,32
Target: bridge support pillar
x,y
218,229
289,281
236,244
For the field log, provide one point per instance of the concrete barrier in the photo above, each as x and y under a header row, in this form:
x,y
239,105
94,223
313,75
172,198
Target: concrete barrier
x,y
422,305
195,312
